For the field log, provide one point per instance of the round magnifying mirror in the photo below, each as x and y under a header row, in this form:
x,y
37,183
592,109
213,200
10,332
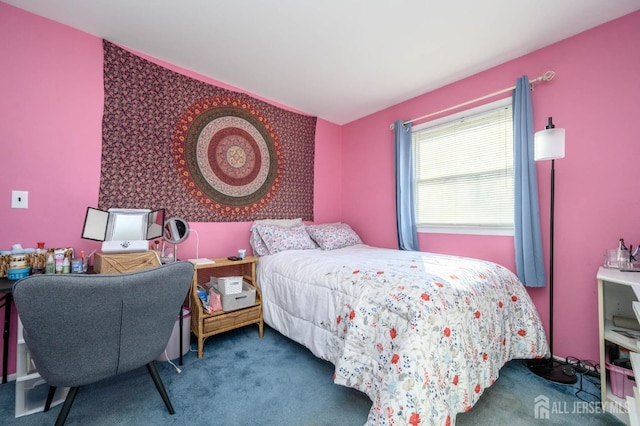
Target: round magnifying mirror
x,y
176,230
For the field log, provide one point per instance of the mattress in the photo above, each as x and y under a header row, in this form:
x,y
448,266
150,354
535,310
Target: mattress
x,y
422,334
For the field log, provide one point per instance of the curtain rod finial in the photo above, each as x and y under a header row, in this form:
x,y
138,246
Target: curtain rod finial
x,y
548,76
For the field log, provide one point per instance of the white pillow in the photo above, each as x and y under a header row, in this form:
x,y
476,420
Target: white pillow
x,y
333,236
257,244
278,238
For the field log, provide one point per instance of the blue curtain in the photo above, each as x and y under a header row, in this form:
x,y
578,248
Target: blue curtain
x,y
528,242
405,199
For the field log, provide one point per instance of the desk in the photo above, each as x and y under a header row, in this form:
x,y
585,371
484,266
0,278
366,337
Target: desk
x,y
6,289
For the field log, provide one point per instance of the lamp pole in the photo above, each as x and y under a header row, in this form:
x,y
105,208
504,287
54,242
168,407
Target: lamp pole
x,y
549,145
551,261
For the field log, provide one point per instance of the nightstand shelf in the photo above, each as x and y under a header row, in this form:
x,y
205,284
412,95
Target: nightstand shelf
x,y
203,324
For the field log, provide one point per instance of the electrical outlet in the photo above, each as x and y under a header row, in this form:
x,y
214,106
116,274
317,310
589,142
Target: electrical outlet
x,y
19,199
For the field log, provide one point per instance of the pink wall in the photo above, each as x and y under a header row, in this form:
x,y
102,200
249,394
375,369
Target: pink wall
x,y
595,97
51,134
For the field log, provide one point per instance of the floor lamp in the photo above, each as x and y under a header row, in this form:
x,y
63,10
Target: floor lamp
x,y
549,145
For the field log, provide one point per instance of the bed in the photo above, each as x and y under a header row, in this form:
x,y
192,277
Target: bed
x,y
422,334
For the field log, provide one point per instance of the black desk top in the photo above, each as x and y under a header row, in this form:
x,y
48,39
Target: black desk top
x,y
6,285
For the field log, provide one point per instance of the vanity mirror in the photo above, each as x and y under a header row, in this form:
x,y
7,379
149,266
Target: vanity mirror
x,y
176,230
123,230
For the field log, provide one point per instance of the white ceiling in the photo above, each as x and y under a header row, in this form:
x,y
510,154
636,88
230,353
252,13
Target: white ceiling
x,y
336,59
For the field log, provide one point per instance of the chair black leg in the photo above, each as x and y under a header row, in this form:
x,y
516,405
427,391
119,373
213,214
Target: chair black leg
x,y
160,386
71,396
52,392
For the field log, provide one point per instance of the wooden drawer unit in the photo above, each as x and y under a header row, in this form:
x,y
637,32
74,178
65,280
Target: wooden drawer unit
x,y
204,325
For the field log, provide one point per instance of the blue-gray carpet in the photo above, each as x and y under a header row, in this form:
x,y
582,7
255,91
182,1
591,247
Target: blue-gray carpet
x,y
245,380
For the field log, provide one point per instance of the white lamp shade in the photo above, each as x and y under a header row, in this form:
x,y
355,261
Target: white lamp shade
x,y
548,144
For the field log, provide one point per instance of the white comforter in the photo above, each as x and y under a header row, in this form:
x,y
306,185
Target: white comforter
x,y
421,334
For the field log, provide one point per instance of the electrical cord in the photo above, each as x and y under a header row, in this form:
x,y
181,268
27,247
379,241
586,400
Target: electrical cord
x,y
171,362
585,370
197,242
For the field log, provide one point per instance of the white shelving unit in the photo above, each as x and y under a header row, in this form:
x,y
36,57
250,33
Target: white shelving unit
x,y
31,389
618,294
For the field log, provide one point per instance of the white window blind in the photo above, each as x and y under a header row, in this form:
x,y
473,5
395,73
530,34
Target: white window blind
x,y
464,173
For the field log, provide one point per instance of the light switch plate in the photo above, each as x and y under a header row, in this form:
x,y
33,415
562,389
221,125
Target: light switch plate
x,y
19,199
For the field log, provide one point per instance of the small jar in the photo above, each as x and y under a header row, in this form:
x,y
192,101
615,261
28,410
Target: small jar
x,y
76,266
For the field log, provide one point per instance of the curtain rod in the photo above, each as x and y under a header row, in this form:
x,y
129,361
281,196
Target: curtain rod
x,y
547,76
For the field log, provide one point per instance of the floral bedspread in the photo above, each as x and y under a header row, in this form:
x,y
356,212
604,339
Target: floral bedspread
x,y
423,335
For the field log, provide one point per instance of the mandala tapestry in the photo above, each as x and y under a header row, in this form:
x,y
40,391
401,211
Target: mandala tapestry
x,y
203,153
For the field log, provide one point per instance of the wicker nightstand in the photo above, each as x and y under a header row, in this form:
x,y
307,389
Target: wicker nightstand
x,y
204,325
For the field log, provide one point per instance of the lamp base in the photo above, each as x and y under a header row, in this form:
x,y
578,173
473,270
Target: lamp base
x,y
552,370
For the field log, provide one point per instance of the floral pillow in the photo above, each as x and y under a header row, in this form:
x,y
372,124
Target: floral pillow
x,y
257,244
333,235
277,238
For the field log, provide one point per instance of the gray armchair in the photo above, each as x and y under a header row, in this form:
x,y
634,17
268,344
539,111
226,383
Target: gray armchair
x,y
84,328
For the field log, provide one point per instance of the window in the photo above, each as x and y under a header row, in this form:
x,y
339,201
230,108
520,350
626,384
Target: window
x,y
464,172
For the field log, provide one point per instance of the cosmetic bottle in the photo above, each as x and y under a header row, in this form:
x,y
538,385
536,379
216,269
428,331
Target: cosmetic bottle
x,y
59,256
50,266
38,262
623,253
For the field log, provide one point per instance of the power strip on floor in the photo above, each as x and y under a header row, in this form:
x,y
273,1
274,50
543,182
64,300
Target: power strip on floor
x,y
583,369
